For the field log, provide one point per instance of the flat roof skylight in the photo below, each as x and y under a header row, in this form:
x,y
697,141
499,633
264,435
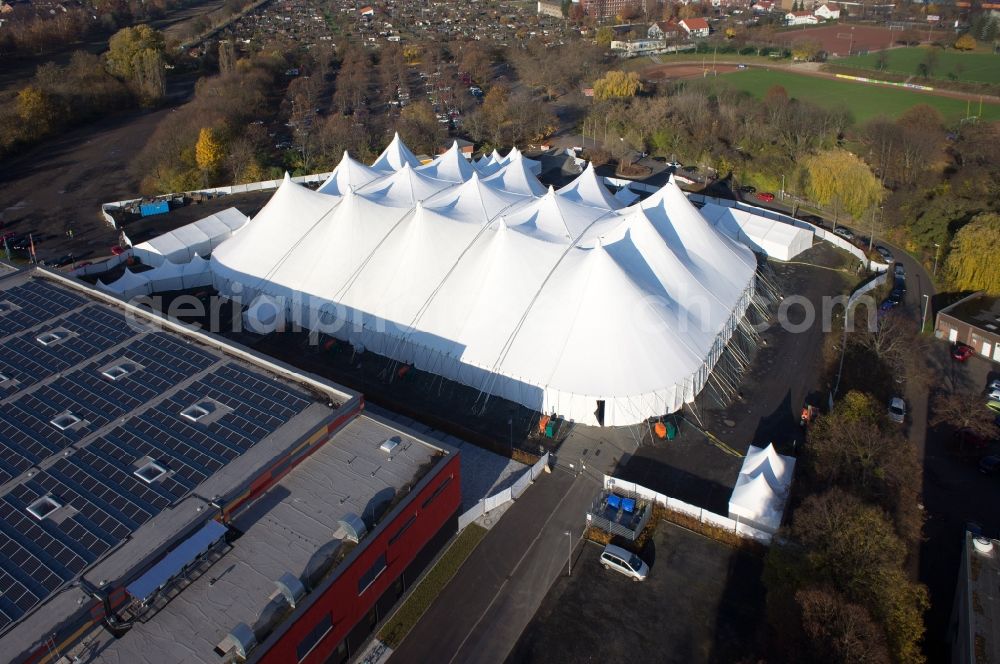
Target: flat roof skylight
x,y
117,372
194,412
49,338
150,472
43,507
64,421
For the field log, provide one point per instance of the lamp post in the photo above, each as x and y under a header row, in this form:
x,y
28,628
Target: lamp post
x,y
937,248
923,318
782,186
569,555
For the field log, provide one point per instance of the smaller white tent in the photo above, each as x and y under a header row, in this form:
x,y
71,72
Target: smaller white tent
x,y
451,166
773,238
170,276
128,286
517,178
762,488
588,189
349,174
532,165
395,156
201,237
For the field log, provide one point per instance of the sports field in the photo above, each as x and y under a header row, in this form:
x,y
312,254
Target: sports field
x,y
951,64
865,101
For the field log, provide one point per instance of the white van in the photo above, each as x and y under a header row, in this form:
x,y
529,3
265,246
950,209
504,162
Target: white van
x,y
626,562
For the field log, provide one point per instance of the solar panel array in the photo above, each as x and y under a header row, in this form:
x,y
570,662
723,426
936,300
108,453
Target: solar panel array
x,y
101,499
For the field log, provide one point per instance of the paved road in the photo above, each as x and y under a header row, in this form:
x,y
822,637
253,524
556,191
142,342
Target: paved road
x,y
480,614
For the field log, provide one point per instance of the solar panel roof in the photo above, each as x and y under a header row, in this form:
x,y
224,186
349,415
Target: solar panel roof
x,y
73,432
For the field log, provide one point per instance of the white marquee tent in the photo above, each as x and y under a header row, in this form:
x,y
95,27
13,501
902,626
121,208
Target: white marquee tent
x,y
762,488
555,300
198,238
776,239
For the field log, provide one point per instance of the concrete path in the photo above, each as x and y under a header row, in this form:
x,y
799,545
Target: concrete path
x,y
481,613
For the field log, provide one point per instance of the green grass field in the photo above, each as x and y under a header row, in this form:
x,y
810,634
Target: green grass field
x,y
951,64
864,100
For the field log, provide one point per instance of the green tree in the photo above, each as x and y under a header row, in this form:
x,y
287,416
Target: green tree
x,y
839,178
973,262
617,84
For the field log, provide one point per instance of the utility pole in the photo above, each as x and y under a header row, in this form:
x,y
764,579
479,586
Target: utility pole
x,y
569,556
937,248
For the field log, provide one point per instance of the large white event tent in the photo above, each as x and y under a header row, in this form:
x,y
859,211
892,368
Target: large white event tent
x,y
762,488
557,300
774,238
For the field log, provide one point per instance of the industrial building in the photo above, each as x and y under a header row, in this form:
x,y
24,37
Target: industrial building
x,y
167,496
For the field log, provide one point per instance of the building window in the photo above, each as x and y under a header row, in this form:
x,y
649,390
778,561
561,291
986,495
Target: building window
x,y
437,491
150,472
399,533
65,421
373,573
116,372
195,412
314,636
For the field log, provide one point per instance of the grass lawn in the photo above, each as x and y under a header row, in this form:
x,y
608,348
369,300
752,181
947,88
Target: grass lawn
x,y
400,624
864,100
980,67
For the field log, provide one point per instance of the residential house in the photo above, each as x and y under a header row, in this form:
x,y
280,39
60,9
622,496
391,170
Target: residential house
x,y
828,11
800,18
694,27
664,30
367,11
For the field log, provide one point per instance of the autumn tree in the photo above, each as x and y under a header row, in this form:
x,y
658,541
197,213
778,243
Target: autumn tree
x,y
208,153
838,630
966,43
973,261
962,411
806,49
37,110
135,55
476,61
839,178
419,128
617,84
838,541
604,36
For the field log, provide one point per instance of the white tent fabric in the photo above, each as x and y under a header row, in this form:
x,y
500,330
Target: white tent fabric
x,y
349,174
127,286
762,488
515,176
519,292
625,196
395,156
755,503
200,237
533,166
170,276
451,166
773,238
587,189
486,165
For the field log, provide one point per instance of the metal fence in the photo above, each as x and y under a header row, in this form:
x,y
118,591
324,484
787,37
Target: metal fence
x,y
503,497
704,516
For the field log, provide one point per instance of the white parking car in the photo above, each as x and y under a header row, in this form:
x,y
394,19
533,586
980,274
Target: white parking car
x,y
624,562
993,394
897,410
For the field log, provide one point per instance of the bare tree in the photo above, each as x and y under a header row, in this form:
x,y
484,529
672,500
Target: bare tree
x,y
964,411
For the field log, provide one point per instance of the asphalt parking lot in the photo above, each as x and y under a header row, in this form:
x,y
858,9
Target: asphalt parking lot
x,y
702,602
784,373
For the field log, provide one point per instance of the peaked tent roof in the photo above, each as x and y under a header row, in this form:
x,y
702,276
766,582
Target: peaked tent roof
x,y
555,219
516,177
348,174
766,461
403,188
451,166
587,189
473,201
754,499
395,155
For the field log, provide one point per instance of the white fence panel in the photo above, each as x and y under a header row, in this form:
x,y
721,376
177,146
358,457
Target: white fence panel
x,y
495,501
749,532
522,483
683,508
717,520
470,515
